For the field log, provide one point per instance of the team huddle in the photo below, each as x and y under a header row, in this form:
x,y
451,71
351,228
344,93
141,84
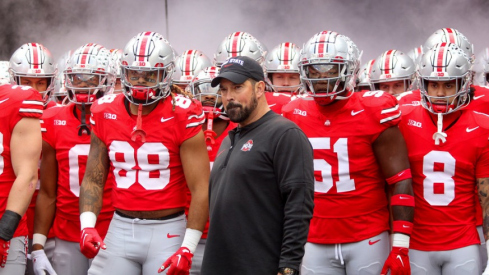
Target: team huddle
x,y
122,141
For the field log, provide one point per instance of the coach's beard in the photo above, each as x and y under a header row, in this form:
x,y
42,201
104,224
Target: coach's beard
x,y
237,113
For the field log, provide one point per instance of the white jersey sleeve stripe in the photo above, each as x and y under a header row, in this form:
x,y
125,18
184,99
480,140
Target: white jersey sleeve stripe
x,y
25,110
33,102
194,124
393,109
390,118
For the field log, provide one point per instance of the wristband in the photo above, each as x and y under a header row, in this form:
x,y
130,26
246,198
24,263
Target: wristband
x,y
39,239
400,240
87,219
8,224
402,227
403,175
402,200
191,239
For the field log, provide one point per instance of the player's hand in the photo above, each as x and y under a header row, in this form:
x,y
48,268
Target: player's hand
x,y
40,263
4,246
397,262
90,242
179,263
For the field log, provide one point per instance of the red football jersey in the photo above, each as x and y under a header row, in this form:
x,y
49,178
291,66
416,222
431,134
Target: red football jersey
x,y
350,203
213,148
277,100
147,176
60,131
444,176
16,102
479,102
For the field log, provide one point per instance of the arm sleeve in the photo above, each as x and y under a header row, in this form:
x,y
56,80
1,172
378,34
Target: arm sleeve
x,y
295,174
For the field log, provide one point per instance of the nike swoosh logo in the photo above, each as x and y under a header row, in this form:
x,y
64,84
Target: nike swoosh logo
x,y
403,198
165,119
3,101
171,236
400,259
353,113
405,226
470,130
271,105
477,97
374,242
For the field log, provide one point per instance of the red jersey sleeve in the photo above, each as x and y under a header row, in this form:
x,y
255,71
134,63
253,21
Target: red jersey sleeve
x,y
30,106
193,116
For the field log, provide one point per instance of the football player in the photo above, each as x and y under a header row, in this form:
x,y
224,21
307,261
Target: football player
x,y
282,75
187,66
20,149
148,144
32,64
392,72
449,153
357,149
66,142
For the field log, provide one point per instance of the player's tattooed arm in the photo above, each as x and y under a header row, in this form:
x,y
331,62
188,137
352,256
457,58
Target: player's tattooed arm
x,y
391,152
483,190
93,183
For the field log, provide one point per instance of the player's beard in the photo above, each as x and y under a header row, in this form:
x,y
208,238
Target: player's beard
x,y
237,113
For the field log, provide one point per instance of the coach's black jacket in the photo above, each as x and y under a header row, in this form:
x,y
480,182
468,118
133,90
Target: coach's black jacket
x,y
261,199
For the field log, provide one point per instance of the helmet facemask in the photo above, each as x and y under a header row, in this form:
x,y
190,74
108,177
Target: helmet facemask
x,y
85,87
446,104
146,85
327,80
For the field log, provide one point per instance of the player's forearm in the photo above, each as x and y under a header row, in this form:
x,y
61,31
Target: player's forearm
x,y
92,187
22,190
404,213
198,211
483,190
44,214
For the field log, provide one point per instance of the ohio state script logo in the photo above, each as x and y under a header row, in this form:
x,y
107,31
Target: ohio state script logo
x,y
247,146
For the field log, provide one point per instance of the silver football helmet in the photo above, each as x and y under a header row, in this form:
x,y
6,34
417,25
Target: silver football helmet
x,y
88,74
116,56
240,44
364,76
203,91
327,66
33,60
453,36
284,58
445,62
188,65
393,65
148,58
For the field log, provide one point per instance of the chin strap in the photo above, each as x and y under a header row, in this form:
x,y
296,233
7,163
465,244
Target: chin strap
x,y
440,135
83,126
139,131
210,135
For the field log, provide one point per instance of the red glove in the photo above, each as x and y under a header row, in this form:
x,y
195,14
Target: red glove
x,y
397,262
90,242
4,246
180,262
